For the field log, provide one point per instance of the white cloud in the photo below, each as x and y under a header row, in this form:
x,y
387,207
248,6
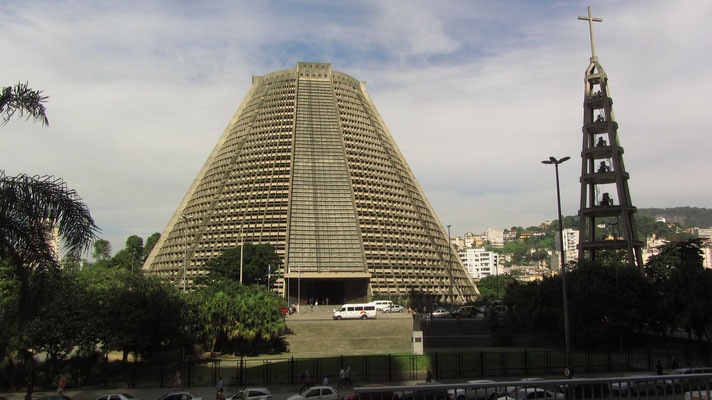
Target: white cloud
x,y
476,95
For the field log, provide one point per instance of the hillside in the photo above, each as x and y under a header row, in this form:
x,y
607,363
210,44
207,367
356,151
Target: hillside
x,y
687,217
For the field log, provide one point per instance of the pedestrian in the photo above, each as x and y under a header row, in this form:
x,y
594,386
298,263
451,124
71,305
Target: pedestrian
x,y
219,387
176,380
347,376
61,383
428,376
221,394
659,368
316,303
325,382
342,377
675,364
305,379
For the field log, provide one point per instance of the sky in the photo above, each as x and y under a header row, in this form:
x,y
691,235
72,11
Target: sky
x,y
475,93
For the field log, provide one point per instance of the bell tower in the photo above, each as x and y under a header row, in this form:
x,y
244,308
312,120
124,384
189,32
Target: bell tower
x,y
606,214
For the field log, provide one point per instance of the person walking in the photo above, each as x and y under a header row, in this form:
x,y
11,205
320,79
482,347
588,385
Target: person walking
x,y
342,378
325,382
428,376
176,380
219,388
306,379
61,383
347,376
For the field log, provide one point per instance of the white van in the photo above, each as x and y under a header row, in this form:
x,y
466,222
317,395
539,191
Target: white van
x,y
382,304
355,311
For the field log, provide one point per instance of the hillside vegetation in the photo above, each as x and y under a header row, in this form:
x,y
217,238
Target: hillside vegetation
x,y
687,217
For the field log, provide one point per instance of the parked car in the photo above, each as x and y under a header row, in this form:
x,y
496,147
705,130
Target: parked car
x,y
532,394
652,385
53,397
251,394
509,390
317,393
287,310
115,396
466,312
378,395
424,394
588,390
681,385
488,393
178,396
381,305
393,308
441,313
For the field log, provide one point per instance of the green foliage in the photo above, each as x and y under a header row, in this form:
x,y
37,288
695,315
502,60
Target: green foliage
x,y
683,285
102,250
23,100
232,313
256,259
687,217
492,285
135,313
150,244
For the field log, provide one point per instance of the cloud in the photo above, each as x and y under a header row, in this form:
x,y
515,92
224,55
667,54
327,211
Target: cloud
x,y
476,94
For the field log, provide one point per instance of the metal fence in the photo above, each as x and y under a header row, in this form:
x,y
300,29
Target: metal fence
x,y
369,368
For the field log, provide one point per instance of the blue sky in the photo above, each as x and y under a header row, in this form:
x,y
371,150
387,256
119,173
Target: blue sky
x,y
475,93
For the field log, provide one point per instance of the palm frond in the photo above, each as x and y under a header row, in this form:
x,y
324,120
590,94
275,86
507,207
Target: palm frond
x,y
24,101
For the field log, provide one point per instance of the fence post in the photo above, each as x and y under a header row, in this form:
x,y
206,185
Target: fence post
x,y
608,361
437,366
291,371
342,361
503,363
133,374
459,365
390,368
482,363
649,357
161,381
242,371
526,363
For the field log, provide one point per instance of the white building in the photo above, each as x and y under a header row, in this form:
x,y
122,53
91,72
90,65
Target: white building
x,y
479,262
494,237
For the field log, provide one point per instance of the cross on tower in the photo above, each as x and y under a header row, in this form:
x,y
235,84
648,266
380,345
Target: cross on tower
x,y
591,20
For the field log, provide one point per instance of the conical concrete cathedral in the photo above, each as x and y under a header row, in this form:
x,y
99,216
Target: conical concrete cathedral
x,y
308,165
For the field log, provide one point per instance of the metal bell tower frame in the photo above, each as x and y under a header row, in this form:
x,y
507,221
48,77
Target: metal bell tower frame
x,y
604,181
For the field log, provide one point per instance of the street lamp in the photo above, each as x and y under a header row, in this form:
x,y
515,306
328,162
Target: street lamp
x,y
449,256
553,160
185,251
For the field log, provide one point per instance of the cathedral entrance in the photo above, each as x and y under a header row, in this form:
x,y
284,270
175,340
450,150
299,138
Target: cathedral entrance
x,y
327,291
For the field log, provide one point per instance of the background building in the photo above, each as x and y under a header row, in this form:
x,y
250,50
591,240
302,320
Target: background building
x,y
494,237
479,262
308,165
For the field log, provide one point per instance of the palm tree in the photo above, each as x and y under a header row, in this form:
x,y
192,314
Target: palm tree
x,y
22,100
31,207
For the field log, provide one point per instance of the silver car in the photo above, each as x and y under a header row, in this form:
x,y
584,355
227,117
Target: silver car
x,y
256,393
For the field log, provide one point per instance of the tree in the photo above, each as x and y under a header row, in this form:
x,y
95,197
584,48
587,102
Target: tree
x,y
255,262
233,314
134,246
22,100
683,286
492,286
150,244
102,250
30,207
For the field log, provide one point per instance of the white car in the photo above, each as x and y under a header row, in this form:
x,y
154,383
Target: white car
x,y
488,393
640,387
534,393
115,396
441,313
252,394
179,396
317,393
509,390
393,308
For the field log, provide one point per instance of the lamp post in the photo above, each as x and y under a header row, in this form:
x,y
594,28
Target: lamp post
x,y
449,256
185,251
553,160
242,246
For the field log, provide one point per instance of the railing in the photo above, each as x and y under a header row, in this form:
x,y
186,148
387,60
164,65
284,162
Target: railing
x,y
365,368
687,387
